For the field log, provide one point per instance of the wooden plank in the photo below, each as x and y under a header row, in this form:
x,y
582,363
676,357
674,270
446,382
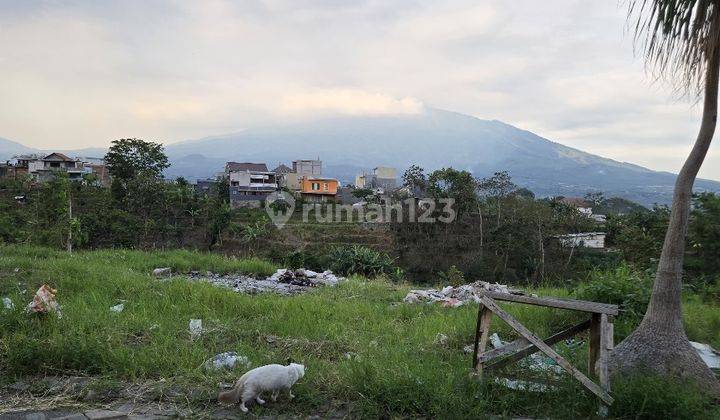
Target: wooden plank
x,y
513,347
594,344
606,345
576,305
522,330
485,320
478,332
531,348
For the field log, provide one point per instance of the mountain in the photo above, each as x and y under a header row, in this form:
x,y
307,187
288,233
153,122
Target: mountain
x,y
432,139
10,148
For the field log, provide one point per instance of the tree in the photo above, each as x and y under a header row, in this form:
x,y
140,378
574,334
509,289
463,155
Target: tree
x,y
681,40
458,185
496,188
362,193
414,179
595,198
128,157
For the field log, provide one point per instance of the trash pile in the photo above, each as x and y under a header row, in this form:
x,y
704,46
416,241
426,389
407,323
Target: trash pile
x,y
283,281
227,360
709,355
44,301
457,296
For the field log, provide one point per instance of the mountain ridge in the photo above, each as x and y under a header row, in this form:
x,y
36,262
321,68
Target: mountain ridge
x,y
433,139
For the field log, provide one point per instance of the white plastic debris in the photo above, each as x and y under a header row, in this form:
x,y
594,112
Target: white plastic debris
x,y
195,328
456,296
227,360
709,355
521,385
162,272
118,308
441,339
44,301
283,281
8,303
495,341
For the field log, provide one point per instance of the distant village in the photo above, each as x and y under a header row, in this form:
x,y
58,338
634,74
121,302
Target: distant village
x,y
251,184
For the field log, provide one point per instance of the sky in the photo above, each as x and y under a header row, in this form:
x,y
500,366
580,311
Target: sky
x,y
77,74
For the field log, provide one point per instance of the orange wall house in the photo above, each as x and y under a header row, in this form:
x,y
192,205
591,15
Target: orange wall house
x,y
318,189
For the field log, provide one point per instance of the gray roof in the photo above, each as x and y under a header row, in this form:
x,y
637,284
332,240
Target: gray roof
x,y
282,169
246,167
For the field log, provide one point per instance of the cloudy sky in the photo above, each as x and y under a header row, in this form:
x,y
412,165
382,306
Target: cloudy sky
x,y
79,74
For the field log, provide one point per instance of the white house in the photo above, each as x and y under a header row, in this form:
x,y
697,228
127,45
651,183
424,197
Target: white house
x,y
594,240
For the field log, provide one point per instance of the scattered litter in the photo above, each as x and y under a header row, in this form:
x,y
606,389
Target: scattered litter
x,y
536,361
441,339
469,348
195,328
453,297
162,272
227,360
709,355
283,281
8,303
350,355
118,308
521,385
44,301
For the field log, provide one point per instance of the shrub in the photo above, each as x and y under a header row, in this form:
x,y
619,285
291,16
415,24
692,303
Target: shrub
x,y
453,276
304,259
357,259
623,286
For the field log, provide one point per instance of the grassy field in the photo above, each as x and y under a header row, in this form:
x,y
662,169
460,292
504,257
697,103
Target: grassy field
x,y
365,353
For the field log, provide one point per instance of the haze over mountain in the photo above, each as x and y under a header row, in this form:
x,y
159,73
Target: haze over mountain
x,y
433,139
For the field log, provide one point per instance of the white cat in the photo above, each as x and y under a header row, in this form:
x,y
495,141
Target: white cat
x,y
268,378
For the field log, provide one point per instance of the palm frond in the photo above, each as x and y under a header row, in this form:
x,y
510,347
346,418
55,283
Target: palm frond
x,y
678,38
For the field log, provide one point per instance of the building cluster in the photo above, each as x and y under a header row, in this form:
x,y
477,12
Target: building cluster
x,y
252,183
42,169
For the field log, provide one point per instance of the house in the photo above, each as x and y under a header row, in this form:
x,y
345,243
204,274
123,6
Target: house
x,y
16,167
595,240
285,175
291,178
385,177
250,183
382,177
309,167
98,168
319,189
44,170
579,203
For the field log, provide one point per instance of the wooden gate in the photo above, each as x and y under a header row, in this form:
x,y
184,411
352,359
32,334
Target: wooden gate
x,y
601,338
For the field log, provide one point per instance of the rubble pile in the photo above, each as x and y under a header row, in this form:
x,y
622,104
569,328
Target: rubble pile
x,y
283,281
457,296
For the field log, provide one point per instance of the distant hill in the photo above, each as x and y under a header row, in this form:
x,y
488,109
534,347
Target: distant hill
x,y
10,148
433,139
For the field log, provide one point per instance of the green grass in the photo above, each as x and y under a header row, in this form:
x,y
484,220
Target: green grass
x,y
361,348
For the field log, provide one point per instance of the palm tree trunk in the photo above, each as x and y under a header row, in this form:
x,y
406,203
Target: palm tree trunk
x,y
660,343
